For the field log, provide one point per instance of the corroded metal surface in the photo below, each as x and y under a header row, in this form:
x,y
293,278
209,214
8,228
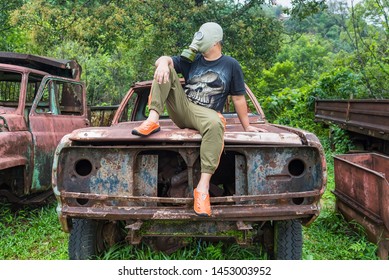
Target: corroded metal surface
x,y
58,67
361,185
170,133
32,124
368,116
243,212
106,173
362,192
128,182
119,171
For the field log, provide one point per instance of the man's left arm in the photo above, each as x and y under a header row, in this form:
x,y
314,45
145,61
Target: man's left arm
x,y
241,109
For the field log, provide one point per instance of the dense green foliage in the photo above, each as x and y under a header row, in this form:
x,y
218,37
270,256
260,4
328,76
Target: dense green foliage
x,y
323,49
317,49
117,42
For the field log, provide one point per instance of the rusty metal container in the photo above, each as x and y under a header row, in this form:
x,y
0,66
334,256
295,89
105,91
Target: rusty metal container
x,y
362,194
364,116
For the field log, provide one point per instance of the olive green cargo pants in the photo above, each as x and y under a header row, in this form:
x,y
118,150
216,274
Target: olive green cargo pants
x,y
186,114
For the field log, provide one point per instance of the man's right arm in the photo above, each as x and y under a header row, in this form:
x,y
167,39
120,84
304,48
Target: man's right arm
x,y
162,71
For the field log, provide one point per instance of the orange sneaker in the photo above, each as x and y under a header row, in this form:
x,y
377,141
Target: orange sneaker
x,y
202,205
146,128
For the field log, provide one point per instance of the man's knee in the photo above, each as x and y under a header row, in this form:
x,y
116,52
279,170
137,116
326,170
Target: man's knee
x,y
213,131
215,124
173,75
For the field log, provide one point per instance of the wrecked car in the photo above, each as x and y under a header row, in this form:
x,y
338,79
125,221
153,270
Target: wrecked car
x,y
41,100
361,175
113,186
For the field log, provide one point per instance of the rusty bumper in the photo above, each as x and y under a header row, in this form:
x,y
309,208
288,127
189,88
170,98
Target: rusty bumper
x,y
230,208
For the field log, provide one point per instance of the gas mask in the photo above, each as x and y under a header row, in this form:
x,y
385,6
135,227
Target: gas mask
x,y
208,34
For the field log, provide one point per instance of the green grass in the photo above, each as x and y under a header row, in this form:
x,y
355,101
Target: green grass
x,y
35,233
195,250
31,233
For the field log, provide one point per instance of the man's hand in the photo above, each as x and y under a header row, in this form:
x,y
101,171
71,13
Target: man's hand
x,y
162,71
251,128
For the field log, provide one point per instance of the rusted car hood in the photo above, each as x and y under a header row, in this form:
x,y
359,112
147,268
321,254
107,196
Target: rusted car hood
x,y
121,132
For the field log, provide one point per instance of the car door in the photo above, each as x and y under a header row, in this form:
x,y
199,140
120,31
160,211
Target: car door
x,y
58,109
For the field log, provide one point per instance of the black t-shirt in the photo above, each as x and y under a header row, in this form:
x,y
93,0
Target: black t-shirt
x,y
208,83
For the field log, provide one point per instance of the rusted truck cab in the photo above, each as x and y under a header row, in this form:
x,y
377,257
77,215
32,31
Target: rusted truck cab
x,y
41,100
109,182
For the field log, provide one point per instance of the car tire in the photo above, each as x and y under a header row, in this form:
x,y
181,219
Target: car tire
x,y
288,240
83,239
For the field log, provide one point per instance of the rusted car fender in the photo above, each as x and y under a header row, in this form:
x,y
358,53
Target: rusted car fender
x,y
65,142
15,148
312,140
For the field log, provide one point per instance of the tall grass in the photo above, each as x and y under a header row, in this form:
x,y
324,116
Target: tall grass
x,y
31,233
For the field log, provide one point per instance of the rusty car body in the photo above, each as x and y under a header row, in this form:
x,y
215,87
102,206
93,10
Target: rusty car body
x,y
366,120
361,176
362,194
108,181
41,100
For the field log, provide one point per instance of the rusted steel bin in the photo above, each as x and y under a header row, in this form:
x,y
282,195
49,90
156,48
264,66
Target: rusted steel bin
x,y
362,194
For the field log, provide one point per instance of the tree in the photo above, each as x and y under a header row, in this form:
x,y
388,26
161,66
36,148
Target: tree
x,y
370,34
8,34
120,40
